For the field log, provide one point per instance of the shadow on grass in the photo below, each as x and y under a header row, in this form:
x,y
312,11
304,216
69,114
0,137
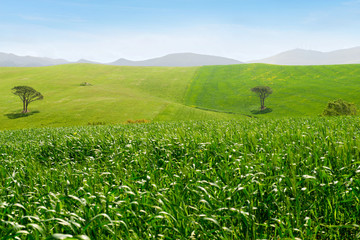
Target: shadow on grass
x,y
266,110
20,115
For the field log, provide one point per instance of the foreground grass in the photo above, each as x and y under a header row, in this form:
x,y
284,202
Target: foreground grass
x,y
268,179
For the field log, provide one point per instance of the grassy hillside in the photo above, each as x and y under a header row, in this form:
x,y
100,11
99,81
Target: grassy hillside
x,y
117,94
298,90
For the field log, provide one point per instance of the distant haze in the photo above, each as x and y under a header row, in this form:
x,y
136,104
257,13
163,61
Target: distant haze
x,y
104,31
11,60
179,60
292,57
310,57
171,60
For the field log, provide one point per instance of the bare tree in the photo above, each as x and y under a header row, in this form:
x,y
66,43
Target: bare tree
x,y
263,92
27,95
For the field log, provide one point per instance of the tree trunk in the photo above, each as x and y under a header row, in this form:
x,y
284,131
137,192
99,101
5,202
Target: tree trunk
x,y
262,101
24,107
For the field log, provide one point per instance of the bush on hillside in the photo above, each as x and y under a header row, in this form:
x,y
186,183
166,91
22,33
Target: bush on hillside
x,y
96,123
138,121
339,107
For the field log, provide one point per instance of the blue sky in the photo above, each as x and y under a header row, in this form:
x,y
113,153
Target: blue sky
x,y
105,30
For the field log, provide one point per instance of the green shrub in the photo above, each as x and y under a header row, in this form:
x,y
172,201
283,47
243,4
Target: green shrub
x,y
339,107
96,123
138,121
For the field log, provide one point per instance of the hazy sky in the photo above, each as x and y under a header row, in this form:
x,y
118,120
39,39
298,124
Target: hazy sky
x,y
105,30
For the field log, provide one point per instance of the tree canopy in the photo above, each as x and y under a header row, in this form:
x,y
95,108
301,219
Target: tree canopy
x,y
27,95
263,92
339,107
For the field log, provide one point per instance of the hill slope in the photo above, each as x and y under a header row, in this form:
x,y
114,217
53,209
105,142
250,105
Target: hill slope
x,y
298,90
119,94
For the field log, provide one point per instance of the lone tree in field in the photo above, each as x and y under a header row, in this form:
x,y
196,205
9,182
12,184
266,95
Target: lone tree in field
x,y
263,92
27,95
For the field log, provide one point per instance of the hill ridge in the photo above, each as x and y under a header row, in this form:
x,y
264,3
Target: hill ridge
x,y
171,60
311,57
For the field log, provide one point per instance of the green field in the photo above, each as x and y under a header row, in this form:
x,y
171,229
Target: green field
x,y
224,173
249,179
119,94
298,90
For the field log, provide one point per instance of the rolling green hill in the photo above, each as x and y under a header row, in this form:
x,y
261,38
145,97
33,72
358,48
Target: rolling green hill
x,y
119,94
297,90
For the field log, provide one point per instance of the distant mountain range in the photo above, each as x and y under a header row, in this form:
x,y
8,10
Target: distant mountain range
x,y
11,60
179,60
292,57
310,57
171,60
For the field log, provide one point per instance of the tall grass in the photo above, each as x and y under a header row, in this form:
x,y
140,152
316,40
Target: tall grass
x,y
255,179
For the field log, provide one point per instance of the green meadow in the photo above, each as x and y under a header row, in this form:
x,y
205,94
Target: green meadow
x,y
119,94
298,90
207,166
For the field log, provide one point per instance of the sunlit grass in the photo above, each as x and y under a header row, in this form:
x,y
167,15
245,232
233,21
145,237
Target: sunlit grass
x,y
256,179
118,93
297,90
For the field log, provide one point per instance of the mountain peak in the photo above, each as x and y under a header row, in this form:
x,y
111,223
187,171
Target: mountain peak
x,y
86,61
12,60
179,60
300,56
296,56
